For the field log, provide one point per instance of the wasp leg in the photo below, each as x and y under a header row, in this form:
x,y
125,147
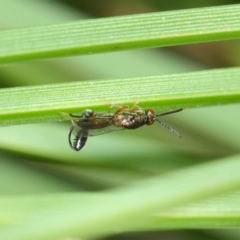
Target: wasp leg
x,y
136,108
118,106
125,108
64,116
121,108
75,116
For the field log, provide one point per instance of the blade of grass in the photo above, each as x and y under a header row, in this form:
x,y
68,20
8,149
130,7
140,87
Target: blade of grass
x,y
121,33
19,177
59,216
15,14
44,103
208,213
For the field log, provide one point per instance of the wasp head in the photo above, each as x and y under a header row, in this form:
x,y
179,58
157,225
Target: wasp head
x,y
88,113
150,116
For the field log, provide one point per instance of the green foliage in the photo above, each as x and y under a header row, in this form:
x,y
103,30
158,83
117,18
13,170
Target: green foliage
x,y
187,90
121,33
124,181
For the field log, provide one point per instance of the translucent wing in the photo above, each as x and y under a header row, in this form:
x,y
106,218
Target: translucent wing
x,y
97,124
108,129
77,136
77,131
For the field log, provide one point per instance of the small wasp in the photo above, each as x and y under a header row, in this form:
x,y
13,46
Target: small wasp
x,y
89,123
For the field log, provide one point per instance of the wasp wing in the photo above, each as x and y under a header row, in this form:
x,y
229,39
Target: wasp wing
x,y
100,131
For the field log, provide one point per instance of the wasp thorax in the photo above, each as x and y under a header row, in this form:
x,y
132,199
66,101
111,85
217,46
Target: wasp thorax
x,y
150,117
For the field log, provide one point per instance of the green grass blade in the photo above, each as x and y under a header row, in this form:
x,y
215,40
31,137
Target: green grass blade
x,y
61,216
121,33
148,192
208,213
44,103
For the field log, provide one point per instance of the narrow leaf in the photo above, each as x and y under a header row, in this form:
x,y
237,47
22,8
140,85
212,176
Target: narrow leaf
x,y
45,103
121,33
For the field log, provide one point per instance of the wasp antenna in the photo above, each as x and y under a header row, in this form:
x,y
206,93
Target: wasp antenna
x,y
75,115
170,112
169,128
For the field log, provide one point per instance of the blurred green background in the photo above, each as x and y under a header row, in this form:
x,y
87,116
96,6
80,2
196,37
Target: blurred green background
x,y
36,159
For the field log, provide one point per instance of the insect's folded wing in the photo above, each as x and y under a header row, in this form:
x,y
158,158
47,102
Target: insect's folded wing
x,y
108,129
